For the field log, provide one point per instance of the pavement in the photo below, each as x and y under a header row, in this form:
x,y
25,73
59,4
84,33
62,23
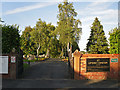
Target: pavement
x,y
53,73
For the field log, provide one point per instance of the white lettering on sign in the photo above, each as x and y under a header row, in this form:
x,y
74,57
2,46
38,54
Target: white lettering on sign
x,y
3,64
13,59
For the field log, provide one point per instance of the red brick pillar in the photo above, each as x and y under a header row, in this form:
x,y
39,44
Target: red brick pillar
x,y
76,66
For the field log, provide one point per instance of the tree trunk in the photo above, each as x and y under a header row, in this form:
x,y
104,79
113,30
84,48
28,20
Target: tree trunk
x,y
62,52
65,53
68,45
47,54
70,53
38,50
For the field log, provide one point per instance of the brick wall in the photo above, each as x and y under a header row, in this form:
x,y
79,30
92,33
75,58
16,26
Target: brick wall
x,y
80,71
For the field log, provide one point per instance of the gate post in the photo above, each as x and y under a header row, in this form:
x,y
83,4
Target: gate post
x,y
13,65
76,66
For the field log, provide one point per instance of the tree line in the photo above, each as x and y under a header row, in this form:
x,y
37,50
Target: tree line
x,y
61,40
51,40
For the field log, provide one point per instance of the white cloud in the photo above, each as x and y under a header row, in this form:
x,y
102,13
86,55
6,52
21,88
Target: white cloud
x,y
28,8
59,0
94,4
104,12
31,0
94,7
99,10
111,23
87,19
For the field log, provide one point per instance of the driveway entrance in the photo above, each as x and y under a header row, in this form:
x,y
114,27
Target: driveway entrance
x,y
49,69
53,73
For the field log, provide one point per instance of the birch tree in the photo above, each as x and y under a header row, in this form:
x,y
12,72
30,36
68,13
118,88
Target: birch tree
x,y
67,28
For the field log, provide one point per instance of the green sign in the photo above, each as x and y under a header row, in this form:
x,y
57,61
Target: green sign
x,y
114,60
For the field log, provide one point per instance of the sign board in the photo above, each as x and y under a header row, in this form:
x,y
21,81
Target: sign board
x,y
13,60
3,64
114,60
98,64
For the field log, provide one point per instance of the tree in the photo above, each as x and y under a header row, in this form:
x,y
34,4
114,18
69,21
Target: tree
x,y
41,36
55,47
114,41
50,38
26,44
37,35
75,46
10,38
38,40
67,28
97,43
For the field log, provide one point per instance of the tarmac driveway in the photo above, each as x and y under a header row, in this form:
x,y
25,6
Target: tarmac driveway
x,y
49,69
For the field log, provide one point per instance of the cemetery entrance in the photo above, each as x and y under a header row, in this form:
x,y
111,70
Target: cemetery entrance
x,y
51,68
53,73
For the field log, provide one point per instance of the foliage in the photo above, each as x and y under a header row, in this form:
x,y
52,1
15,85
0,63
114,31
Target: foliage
x,y
51,40
114,41
55,48
38,35
67,28
75,46
26,44
42,35
97,43
10,38
41,39
36,59
1,20
83,52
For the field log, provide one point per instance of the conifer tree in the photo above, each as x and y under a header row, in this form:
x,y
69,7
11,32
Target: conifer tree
x,y
97,43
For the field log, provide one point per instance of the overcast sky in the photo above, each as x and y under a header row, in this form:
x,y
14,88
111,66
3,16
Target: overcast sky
x,y
27,13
